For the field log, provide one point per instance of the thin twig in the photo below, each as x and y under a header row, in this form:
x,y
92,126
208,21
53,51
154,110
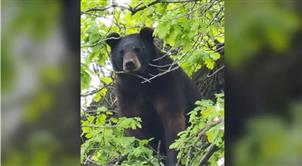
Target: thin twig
x,y
117,160
158,152
161,57
139,76
188,157
97,126
161,66
100,41
219,69
103,8
160,74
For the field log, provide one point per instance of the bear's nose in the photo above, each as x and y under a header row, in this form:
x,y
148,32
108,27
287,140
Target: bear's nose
x,y
130,65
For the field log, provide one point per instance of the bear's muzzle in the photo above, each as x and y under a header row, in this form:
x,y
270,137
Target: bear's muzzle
x,y
130,62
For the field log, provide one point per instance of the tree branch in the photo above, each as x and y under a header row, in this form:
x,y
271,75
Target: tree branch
x,y
212,149
103,8
136,8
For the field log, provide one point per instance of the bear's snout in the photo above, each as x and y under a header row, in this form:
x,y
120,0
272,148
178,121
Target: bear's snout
x,y
131,62
130,65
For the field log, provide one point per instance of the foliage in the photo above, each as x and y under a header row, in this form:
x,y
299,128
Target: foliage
x,y
267,135
35,72
204,133
107,144
270,27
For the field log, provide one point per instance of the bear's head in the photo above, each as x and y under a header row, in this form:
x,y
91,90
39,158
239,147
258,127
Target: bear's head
x,y
131,53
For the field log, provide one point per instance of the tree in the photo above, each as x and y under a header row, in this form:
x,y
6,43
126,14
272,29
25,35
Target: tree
x,y
189,31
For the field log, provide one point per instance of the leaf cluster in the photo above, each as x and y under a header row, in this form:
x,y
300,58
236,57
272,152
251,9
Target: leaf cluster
x,y
106,141
202,142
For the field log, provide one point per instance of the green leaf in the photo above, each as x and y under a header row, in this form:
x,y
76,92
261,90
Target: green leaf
x,y
106,80
101,119
163,30
85,79
209,63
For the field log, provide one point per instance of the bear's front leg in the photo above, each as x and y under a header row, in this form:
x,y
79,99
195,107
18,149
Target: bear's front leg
x,y
173,119
130,107
174,124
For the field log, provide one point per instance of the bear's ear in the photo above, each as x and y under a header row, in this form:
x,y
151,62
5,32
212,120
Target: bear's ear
x,y
147,33
112,39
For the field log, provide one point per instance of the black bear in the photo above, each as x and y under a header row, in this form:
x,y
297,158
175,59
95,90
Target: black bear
x,y
162,102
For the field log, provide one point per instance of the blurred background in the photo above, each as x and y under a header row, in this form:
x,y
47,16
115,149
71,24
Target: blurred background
x,y
40,87
263,87
40,84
